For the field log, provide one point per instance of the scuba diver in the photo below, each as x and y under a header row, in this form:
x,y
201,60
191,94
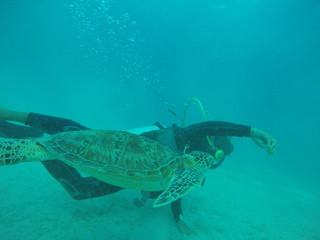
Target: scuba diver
x,y
210,136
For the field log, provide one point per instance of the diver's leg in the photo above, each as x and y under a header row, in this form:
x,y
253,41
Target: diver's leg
x,y
77,186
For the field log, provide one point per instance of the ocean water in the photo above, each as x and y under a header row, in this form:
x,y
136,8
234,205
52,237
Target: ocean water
x,y
124,64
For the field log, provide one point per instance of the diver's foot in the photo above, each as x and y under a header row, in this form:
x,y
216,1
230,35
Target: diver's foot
x,y
184,229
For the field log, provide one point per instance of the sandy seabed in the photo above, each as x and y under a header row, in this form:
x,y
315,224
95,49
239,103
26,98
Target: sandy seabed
x,y
234,204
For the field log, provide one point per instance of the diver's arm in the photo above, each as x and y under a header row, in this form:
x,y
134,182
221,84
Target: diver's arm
x,y
219,128
8,115
52,125
41,122
11,130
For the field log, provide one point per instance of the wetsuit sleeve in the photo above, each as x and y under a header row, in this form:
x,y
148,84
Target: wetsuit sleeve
x,y
217,128
195,135
52,125
10,130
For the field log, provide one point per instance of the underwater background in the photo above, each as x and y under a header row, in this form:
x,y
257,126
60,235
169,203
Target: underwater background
x,y
124,64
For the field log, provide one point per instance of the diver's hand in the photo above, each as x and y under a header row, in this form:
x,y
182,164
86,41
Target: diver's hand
x,y
184,229
264,140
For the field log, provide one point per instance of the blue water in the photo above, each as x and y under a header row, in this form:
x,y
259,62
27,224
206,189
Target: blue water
x,y
123,64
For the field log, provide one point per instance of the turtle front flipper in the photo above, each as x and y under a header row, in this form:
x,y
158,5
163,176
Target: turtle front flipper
x,y
182,182
14,151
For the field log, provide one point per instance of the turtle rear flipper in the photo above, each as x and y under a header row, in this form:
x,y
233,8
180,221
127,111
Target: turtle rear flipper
x,y
182,182
14,151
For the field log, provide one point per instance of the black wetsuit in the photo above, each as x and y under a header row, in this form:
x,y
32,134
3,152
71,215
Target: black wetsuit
x,y
88,187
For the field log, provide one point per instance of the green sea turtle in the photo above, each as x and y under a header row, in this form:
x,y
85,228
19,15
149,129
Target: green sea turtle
x,y
116,157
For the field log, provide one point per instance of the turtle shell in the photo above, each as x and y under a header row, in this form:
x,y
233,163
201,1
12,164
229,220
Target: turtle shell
x,y
116,157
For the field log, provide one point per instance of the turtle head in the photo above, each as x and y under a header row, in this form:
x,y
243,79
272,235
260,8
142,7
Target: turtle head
x,y
203,160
